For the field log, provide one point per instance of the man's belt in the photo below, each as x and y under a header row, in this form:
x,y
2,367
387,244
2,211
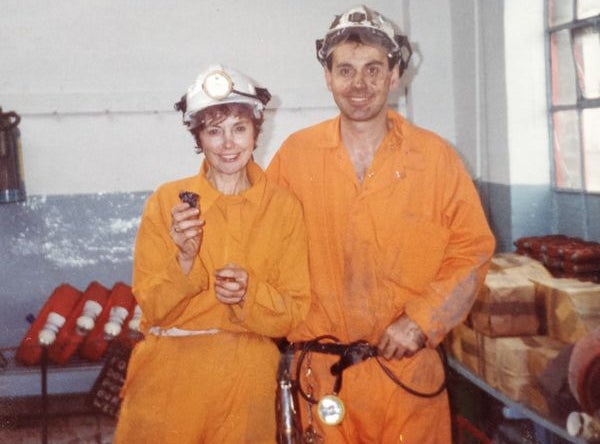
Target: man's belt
x,y
349,354
354,353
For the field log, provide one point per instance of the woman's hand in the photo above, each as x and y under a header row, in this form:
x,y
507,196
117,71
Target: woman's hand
x,y
186,232
231,284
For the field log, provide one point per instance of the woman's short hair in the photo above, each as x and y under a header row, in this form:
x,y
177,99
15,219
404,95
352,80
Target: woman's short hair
x,y
218,113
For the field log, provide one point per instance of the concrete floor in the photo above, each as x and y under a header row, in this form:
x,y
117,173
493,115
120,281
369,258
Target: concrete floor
x,y
69,419
71,429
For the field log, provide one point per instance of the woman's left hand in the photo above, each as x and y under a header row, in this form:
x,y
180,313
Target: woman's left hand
x,y
231,284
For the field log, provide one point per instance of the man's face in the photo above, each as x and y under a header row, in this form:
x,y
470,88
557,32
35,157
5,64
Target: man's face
x,y
360,80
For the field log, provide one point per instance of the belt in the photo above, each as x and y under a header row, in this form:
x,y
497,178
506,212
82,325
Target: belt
x,y
351,354
178,332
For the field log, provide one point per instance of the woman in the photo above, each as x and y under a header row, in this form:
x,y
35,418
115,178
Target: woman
x,y
215,282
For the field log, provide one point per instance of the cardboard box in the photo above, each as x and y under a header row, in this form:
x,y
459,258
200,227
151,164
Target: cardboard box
x,y
478,354
519,264
539,357
513,364
571,308
505,306
452,344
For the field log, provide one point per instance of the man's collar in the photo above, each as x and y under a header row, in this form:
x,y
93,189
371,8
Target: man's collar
x,y
332,129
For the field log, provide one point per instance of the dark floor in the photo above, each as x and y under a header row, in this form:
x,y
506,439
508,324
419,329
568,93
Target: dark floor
x,y
69,419
71,429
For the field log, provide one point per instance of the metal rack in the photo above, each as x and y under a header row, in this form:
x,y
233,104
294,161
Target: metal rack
x,y
515,408
17,381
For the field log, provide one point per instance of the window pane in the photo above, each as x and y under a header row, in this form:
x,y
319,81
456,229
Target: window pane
x,y
591,148
567,157
587,8
587,60
563,72
560,11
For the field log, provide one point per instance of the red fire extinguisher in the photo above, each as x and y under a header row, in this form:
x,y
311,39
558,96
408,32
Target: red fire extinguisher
x,y
12,186
47,324
79,323
112,321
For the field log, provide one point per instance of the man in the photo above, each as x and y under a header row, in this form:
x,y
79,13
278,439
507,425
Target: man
x,y
398,246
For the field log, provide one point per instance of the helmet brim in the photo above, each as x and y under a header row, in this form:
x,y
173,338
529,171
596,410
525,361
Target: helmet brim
x,y
367,35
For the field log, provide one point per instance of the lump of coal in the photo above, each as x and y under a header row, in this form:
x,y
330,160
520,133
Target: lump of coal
x,y
189,197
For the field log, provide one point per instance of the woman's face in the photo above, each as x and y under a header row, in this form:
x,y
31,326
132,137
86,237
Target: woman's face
x,y
228,145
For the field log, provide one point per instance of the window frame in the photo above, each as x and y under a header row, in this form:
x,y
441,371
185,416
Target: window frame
x,y
581,103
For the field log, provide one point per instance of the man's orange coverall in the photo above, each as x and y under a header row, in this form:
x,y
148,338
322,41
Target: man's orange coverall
x,y
411,239
219,386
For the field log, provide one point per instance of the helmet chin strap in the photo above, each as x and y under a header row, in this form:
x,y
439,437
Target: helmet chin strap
x,y
262,94
198,148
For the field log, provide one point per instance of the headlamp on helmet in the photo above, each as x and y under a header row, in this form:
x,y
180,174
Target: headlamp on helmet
x,y
219,85
372,28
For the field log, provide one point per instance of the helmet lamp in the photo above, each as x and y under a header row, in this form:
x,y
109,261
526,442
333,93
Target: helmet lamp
x,y
220,85
217,85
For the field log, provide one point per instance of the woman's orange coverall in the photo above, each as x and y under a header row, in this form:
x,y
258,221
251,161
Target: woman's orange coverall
x,y
217,387
411,239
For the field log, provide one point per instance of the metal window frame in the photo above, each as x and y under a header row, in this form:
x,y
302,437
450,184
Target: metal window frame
x,y
580,104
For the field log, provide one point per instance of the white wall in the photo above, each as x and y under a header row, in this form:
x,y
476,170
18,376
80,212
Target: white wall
x,y
432,92
95,81
526,95
468,82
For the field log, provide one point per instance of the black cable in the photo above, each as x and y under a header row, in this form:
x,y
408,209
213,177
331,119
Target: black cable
x,y
412,391
304,348
315,345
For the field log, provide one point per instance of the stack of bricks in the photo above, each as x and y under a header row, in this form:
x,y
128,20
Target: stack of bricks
x,y
568,257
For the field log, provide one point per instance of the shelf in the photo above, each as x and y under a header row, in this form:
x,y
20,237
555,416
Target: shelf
x,y
514,406
18,381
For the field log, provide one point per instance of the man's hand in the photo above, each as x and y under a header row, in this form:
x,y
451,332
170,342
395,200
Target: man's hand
x,y
401,338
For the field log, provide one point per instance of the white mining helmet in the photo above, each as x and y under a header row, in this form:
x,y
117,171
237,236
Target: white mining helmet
x,y
220,85
371,26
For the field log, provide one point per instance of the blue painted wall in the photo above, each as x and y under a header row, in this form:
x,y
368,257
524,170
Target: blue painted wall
x,y
528,210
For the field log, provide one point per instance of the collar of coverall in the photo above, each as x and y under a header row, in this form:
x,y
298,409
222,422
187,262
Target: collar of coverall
x,y
400,126
333,139
253,194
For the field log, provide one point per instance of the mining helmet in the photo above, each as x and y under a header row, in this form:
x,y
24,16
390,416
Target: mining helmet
x,y
220,85
371,26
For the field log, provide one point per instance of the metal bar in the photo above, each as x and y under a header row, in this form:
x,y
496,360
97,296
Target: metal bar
x,y
524,410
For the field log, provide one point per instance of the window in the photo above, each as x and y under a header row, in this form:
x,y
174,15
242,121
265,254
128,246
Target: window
x,y
573,36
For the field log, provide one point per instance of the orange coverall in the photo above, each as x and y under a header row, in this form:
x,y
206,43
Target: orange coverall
x,y
411,239
217,387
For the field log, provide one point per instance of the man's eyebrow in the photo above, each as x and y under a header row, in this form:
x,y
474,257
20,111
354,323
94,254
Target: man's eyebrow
x,y
344,65
375,62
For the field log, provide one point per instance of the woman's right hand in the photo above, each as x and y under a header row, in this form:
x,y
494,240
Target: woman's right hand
x,y
186,232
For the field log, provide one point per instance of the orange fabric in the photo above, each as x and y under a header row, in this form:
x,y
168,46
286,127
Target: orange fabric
x,y
411,239
221,387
